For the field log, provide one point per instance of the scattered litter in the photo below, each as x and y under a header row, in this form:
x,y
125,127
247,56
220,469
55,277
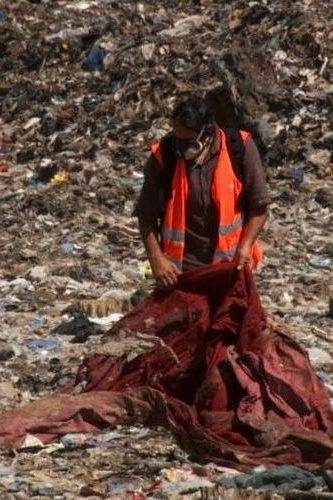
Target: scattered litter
x,y
67,247
60,177
94,60
319,357
44,343
74,440
107,320
321,263
181,482
86,87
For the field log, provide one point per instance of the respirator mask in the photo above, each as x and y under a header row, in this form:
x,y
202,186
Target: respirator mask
x,y
189,149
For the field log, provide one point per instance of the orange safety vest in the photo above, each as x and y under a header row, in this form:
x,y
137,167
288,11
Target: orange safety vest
x,y
226,191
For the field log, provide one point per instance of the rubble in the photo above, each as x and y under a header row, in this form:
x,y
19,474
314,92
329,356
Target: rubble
x,y
86,87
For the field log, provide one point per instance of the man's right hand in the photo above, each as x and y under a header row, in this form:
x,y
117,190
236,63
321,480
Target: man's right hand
x,y
165,272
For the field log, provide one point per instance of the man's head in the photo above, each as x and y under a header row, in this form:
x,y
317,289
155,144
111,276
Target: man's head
x,y
190,115
192,124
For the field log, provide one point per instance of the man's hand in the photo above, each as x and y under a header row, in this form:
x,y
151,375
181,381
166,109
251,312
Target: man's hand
x,y
243,255
165,272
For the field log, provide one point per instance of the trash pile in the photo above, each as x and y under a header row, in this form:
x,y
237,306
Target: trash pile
x,y
86,86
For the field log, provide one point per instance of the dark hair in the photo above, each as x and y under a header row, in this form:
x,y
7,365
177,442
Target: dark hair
x,y
193,113
225,113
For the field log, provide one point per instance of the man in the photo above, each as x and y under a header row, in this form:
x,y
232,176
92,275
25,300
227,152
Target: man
x,y
195,207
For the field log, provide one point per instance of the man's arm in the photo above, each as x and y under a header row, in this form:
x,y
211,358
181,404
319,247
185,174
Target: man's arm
x,y
257,199
253,227
150,206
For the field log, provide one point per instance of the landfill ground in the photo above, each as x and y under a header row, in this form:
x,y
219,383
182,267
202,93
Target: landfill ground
x,y
74,135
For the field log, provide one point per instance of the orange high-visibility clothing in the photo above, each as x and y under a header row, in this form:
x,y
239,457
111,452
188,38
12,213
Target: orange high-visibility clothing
x,y
225,192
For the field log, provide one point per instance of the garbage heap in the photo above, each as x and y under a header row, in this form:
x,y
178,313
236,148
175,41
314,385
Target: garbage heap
x,y
86,86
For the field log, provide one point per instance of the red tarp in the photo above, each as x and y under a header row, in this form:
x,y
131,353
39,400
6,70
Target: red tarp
x,y
232,386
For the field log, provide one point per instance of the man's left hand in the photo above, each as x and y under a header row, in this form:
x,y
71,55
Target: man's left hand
x,y
243,255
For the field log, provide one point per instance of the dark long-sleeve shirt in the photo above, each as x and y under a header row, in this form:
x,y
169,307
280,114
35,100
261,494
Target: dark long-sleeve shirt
x,y
201,217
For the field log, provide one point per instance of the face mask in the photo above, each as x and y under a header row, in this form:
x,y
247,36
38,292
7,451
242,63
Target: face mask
x,y
189,149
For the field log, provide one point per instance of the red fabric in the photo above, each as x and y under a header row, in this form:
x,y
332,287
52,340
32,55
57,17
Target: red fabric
x,y
233,387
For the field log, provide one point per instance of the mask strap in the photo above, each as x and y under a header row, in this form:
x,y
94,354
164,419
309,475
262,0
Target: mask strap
x,y
200,134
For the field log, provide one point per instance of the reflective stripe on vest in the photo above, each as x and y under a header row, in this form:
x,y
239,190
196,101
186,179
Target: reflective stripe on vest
x,y
225,193
225,254
230,228
173,234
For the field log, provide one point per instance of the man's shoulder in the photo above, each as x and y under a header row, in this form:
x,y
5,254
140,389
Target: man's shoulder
x,y
167,153
167,139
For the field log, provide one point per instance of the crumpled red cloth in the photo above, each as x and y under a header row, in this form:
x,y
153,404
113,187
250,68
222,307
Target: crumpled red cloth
x,y
231,385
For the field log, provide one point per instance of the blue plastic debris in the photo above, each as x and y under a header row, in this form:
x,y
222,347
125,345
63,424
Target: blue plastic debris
x,y
95,58
38,184
2,16
298,175
43,343
67,247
